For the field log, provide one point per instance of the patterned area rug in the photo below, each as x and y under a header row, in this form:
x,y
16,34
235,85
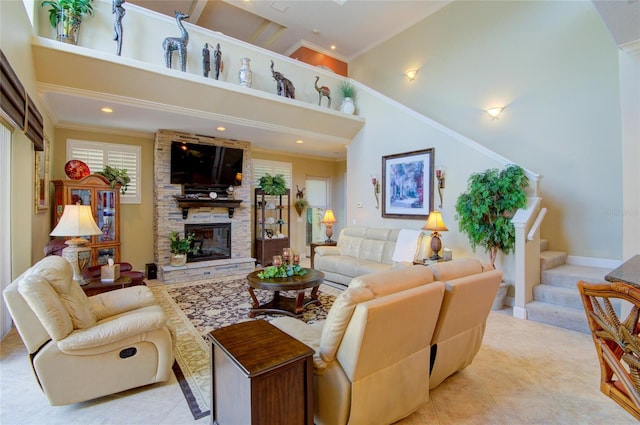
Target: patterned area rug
x,y
196,308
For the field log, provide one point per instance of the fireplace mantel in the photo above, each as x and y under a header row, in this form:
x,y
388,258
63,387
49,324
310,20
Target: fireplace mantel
x,y
185,203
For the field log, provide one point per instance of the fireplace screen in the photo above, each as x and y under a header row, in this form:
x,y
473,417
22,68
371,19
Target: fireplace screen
x,y
211,241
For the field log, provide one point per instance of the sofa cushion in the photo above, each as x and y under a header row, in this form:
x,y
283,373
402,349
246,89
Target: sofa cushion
x,y
390,281
46,305
350,245
371,250
449,270
341,264
337,320
366,267
377,234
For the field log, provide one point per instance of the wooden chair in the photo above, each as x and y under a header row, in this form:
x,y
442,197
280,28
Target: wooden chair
x,y
617,341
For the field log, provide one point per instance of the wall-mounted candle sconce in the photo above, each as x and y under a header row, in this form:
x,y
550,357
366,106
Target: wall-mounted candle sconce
x,y
411,74
376,189
494,112
440,172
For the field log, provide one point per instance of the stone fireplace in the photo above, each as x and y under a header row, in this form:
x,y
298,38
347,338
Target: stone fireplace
x,y
212,218
212,241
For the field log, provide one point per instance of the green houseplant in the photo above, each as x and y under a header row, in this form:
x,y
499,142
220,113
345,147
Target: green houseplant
x,y
116,176
348,92
66,17
485,210
300,205
273,185
179,248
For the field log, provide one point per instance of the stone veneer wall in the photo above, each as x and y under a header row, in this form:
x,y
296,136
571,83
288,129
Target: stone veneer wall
x,y
168,217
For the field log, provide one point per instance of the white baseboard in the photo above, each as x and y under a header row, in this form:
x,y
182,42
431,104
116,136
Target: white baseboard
x,y
605,263
520,313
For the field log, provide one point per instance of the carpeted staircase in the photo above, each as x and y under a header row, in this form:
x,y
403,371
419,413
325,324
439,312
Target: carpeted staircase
x,y
556,301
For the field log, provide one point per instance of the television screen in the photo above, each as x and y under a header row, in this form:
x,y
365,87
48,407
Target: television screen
x,y
205,165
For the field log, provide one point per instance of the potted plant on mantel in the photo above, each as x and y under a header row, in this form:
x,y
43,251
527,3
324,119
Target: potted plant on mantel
x,y
66,17
179,249
116,176
485,210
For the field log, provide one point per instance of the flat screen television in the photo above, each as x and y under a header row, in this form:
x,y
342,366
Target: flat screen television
x,y
205,166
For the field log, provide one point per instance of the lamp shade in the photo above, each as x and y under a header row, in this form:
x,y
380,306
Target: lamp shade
x,y
435,222
76,220
328,218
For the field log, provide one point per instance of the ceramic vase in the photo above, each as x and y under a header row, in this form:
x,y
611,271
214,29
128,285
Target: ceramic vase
x,y
348,107
244,74
177,260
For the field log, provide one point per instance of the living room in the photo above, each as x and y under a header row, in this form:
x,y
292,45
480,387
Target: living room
x,y
558,112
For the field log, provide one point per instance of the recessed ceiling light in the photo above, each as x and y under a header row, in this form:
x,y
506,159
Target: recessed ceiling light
x,y
221,128
299,142
333,47
106,110
316,31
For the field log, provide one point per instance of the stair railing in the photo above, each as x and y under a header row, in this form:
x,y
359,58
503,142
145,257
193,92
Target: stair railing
x,y
527,222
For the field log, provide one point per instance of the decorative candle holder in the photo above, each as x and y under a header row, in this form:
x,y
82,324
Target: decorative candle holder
x,y
286,255
296,259
277,260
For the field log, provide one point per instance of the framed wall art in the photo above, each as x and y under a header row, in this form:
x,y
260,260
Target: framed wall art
x,y
407,184
41,179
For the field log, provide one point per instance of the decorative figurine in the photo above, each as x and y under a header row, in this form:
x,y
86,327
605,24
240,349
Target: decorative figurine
x,y
217,61
245,75
285,86
116,7
323,91
177,43
206,60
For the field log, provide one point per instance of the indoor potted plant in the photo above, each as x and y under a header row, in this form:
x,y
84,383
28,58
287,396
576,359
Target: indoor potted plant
x,y
348,92
485,210
116,176
66,17
273,185
300,205
179,248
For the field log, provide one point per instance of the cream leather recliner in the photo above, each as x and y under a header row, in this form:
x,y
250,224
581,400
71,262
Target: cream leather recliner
x,y
82,348
371,362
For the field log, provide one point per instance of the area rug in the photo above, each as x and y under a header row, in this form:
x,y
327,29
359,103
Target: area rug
x,y
196,308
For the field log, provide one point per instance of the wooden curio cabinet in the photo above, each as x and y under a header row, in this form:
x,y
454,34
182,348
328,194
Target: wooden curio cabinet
x,y
271,225
93,190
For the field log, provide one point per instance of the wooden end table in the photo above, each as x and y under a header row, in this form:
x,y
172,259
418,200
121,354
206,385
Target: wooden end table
x,y
97,286
280,304
260,375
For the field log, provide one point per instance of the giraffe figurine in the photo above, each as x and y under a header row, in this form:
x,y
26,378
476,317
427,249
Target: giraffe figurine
x,y
177,43
323,91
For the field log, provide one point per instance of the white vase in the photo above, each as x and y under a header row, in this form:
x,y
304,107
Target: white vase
x,y
244,74
348,107
177,260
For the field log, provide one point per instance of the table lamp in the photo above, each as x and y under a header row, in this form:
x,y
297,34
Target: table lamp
x,y
328,221
436,225
76,221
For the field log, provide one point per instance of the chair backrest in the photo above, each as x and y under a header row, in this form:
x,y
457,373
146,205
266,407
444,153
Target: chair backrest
x,y
616,340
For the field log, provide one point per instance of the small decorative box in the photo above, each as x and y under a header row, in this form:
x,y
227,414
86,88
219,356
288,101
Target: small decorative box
x,y
110,273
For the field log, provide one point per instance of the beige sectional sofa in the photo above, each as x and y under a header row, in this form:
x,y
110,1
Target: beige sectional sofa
x,y
393,335
360,250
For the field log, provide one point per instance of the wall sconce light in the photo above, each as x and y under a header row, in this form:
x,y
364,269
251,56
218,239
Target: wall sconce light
x,y
376,189
494,112
440,172
411,74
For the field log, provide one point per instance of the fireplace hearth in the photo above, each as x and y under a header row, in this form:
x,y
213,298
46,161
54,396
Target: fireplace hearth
x,y
211,241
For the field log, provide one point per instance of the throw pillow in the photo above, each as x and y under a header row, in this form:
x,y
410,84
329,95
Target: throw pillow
x,y
407,246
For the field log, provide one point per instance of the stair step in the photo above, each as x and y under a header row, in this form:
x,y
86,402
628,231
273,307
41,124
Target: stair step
x,y
560,316
551,259
558,295
568,275
544,245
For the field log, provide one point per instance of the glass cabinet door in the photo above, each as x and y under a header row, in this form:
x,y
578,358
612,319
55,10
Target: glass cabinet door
x,y
81,197
105,211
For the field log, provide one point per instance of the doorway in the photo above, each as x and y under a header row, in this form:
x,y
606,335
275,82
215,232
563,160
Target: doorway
x,y
318,193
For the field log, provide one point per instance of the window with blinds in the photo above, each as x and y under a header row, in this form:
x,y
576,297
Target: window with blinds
x,y
96,155
264,166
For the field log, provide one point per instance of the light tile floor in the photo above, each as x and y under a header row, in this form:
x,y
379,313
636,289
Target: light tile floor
x,y
525,373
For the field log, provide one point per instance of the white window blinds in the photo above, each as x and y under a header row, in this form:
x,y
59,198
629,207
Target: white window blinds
x,y
96,155
264,166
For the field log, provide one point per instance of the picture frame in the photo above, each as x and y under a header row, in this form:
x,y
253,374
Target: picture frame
x,y
407,184
41,179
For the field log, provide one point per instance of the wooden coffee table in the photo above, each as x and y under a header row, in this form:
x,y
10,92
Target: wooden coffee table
x,y
281,304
